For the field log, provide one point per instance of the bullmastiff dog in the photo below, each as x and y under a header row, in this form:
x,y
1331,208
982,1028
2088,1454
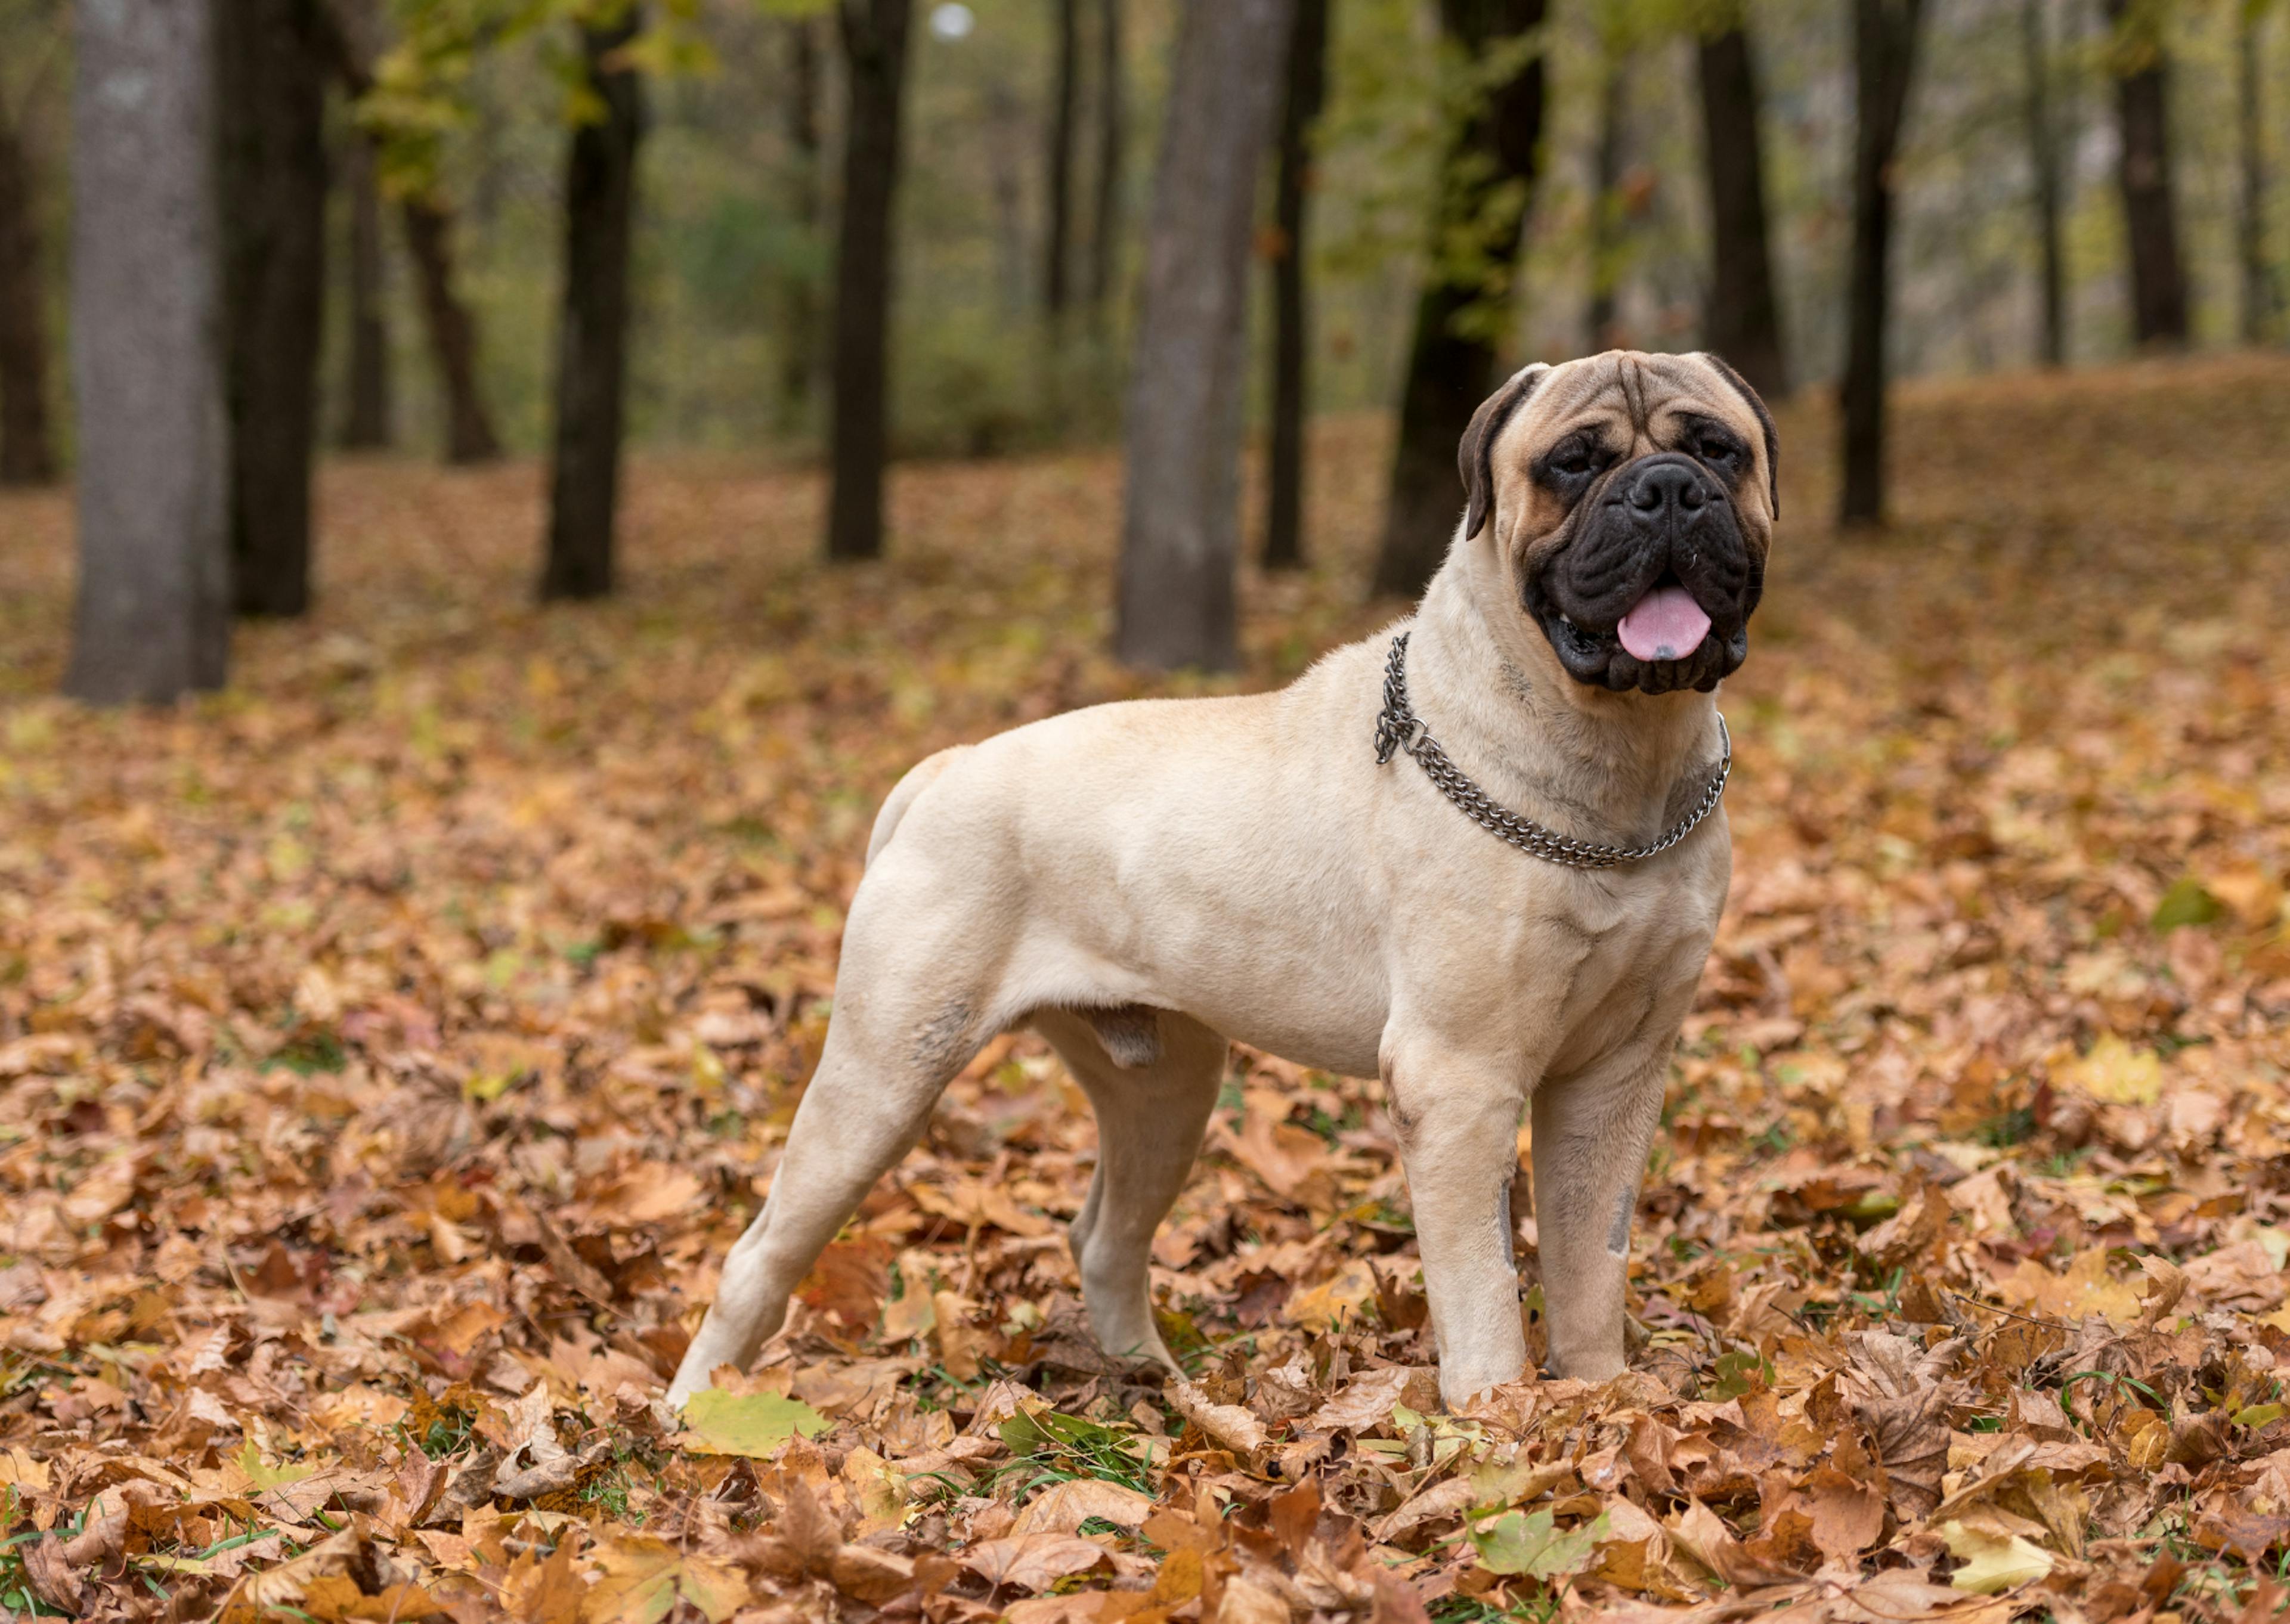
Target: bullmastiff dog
x,y
1480,856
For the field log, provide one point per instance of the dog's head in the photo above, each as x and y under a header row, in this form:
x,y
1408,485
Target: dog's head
x,y
1631,498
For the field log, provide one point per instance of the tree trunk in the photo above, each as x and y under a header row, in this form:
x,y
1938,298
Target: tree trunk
x,y
2159,274
798,356
1057,253
1112,135
153,616
1009,134
1884,51
592,347
366,386
874,47
2261,288
452,329
1308,87
2043,162
428,225
1181,502
1484,187
272,63
1605,201
28,454
1744,323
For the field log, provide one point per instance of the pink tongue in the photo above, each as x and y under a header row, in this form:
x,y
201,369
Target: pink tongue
x,y
1667,624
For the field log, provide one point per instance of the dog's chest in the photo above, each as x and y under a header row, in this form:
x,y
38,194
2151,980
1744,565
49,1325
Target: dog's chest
x,y
1571,966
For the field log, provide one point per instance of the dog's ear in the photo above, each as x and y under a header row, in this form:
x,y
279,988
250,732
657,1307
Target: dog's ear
x,y
1724,369
1475,456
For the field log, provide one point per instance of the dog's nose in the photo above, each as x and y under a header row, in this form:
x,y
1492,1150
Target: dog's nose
x,y
1660,484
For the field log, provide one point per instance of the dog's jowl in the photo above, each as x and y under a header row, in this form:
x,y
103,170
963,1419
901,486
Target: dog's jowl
x,y
1482,854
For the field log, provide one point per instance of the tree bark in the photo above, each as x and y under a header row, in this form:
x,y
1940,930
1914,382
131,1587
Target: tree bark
x,y
2044,162
1743,321
1112,146
798,356
1605,204
1884,51
592,347
2158,273
1291,330
1058,250
367,391
272,62
451,331
874,48
1180,501
28,454
2261,287
152,620
1484,187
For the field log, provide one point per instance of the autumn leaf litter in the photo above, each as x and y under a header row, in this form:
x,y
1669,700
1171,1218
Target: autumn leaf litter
x,y
390,1048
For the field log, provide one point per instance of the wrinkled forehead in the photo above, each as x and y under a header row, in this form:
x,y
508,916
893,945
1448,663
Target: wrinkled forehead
x,y
1639,392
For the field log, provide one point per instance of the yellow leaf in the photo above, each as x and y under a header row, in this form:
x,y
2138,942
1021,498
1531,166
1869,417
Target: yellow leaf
x,y
752,1424
641,1580
1333,1302
2114,1073
1993,1561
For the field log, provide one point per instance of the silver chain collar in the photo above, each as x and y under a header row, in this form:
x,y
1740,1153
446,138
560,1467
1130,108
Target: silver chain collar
x,y
1398,727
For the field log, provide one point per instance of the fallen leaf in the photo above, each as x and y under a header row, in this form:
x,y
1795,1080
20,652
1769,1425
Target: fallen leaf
x,y
753,1424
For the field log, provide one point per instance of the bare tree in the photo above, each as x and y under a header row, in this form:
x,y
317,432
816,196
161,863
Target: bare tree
x,y
1743,321
28,453
1057,249
2158,273
592,346
366,379
1112,146
2043,163
1606,202
874,48
1485,182
2261,283
273,61
1306,89
452,330
1181,498
1884,35
153,616
427,219
798,291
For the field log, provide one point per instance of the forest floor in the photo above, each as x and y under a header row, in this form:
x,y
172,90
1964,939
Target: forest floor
x,y
390,1048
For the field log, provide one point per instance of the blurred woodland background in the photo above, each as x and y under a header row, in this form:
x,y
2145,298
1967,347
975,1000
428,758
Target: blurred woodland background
x,y
889,230
591,452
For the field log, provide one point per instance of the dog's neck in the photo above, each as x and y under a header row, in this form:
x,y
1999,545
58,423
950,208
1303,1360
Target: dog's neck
x,y
1616,768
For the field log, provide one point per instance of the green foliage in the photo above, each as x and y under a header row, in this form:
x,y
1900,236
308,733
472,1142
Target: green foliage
x,y
1530,1543
752,1424
1046,1447
421,89
2186,903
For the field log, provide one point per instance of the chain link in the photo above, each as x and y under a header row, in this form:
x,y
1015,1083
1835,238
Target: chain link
x,y
1398,728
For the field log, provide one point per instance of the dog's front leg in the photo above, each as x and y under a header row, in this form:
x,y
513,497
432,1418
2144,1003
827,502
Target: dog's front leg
x,y
1457,1118
1591,1133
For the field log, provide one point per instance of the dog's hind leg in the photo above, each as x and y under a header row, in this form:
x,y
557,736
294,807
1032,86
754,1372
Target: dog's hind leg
x,y
1149,1123
880,1075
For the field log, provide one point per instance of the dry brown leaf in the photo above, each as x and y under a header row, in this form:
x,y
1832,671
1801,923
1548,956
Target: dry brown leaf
x,y
1063,1508
1229,1425
1032,1562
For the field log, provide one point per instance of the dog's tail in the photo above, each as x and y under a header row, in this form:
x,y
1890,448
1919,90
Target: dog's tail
x,y
902,796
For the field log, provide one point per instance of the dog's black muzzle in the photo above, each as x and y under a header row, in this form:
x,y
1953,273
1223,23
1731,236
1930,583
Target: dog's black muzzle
x,y
1663,520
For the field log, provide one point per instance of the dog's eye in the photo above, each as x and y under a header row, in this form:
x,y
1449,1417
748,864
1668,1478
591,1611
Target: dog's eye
x,y
1574,460
1722,451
